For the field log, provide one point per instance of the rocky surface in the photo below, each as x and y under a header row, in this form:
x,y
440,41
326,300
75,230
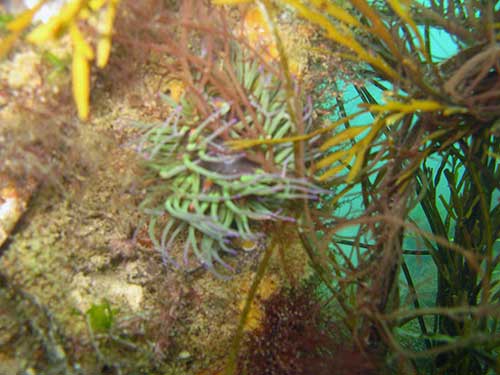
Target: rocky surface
x,y
82,244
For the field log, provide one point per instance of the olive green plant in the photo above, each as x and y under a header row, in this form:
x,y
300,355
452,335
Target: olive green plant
x,y
467,212
416,107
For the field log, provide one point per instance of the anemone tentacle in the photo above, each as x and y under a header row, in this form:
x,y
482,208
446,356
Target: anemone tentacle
x,y
210,194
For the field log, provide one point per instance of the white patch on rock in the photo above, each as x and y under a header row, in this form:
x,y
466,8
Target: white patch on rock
x,y
88,290
23,73
12,207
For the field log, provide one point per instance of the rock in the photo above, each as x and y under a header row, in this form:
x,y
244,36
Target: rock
x,y
23,73
13,203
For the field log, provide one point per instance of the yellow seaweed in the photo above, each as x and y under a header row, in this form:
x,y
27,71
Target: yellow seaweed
x,y
344,38
332,172
337,12
332,158
95,5
80,45
401,9
410,107
363,147
55,26
337,169
103,51
104,43
7,43
247,143
82,54
16,27
378,28
81,90
22,21
347,134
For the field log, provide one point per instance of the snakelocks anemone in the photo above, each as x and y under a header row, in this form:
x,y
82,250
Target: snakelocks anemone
x,y
212,196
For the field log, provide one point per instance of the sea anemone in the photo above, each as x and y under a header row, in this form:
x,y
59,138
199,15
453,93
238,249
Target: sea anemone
x,y
210,194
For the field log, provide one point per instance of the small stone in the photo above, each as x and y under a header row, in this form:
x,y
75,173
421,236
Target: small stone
x,y
99,262
24,72
12,206
184,355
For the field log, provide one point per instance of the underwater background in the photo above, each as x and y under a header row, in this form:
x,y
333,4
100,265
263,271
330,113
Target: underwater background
x,y
249,187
